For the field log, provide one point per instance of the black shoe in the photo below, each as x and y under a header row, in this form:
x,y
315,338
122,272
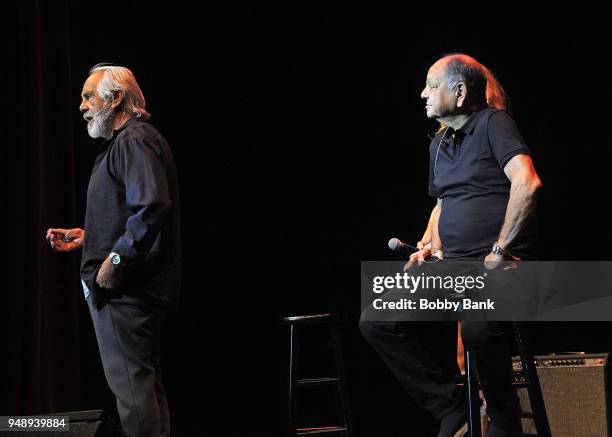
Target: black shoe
x,y
454,424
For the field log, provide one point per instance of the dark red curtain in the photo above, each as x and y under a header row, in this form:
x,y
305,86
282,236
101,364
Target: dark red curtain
x,y
41,308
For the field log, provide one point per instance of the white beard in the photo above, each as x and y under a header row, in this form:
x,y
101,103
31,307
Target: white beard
x,y
101,124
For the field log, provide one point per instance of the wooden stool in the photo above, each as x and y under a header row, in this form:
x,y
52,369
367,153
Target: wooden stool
x,y
338,381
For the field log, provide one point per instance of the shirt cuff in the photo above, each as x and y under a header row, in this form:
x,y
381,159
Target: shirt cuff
x,y
125,248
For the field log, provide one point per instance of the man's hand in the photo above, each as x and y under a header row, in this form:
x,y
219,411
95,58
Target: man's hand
x,y
65,240
420,256
421,244
493,260
109,276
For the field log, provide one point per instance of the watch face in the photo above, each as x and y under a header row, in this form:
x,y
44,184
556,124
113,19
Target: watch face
x,y
497,250
116,259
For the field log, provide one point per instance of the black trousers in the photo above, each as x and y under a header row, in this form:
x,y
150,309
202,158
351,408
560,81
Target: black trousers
x,y
430,383
128,333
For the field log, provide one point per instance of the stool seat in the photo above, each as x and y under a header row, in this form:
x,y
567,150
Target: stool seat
x,y
308,320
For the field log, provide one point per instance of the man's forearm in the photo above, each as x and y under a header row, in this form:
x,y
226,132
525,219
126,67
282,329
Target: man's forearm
x,y
430,238
521,205
436,243
433,217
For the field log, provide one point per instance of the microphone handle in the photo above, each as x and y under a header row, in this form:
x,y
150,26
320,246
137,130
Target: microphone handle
x,y
409,247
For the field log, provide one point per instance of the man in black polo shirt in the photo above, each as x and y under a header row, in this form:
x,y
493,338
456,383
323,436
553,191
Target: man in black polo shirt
x,y
131,260
485,184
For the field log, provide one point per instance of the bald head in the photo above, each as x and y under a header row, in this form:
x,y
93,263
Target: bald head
x,y
458,83
460,68
481,83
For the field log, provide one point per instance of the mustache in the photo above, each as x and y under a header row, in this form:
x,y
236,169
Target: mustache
x,y
103,112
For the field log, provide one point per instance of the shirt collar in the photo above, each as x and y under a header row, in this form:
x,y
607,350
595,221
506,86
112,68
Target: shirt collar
x,y
116,132
468,126
466,129
129,122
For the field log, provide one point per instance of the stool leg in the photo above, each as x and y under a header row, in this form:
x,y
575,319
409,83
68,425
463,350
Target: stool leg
x,y
345,410
533,384
471,387
293,380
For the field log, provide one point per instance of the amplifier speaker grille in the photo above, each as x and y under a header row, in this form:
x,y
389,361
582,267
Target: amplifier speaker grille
x,y
575,394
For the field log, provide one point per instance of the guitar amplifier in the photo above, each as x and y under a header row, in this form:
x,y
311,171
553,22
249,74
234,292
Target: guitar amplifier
x,y
576,391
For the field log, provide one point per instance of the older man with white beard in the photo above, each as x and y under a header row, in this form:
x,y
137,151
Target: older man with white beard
x,y
131,260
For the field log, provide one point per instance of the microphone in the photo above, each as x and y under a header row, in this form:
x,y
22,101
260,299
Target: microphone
x,y
397,246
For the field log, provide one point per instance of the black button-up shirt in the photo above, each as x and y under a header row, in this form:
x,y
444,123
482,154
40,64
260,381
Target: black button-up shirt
x,y
133,209
466,173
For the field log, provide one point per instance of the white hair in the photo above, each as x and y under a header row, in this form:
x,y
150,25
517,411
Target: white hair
x,y
120,79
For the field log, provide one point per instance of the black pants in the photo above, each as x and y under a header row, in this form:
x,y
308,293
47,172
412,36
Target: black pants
x,y
128,333
430,383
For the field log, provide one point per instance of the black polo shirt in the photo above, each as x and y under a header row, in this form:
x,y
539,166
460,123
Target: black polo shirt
x,y
466,173
133,209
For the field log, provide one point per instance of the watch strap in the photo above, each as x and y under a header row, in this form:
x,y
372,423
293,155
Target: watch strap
x,y
497,249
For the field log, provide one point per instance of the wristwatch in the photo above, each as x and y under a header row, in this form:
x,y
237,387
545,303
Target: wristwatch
x,y
115,258
498,250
